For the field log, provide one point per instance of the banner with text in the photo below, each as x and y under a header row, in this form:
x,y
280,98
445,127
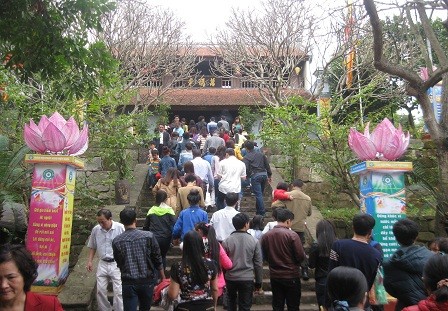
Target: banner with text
x,y
50,221
383,193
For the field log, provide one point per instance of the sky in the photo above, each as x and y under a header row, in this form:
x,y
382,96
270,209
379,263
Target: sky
x,y
202,17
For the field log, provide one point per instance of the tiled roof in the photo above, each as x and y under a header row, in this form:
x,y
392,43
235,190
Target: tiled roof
x,y
217,96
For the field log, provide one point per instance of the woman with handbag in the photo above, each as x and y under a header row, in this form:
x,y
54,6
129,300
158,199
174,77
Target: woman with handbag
x,y
194,278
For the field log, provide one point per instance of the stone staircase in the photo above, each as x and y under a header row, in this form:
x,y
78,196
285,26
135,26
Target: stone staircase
x,y
79,292
260,302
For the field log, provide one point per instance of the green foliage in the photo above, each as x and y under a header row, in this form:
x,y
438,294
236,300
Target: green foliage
x,y
48,36
14,184
312,141
248,116
163,111
14,175
345,214
113,136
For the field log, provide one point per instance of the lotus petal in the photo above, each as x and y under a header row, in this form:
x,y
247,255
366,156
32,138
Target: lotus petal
x,y
81,142
82,150
53,138
57,120
33,139
71,132
34,127
404,143
393,150
43,123
361,145
382,135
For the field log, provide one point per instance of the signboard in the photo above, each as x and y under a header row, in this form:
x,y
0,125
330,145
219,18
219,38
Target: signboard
x,y
382,191
50,223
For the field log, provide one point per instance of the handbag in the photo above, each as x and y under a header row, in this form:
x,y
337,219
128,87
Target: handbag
x,y
378,294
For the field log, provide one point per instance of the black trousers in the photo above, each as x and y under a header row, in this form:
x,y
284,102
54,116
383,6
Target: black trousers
x,y
304,263
239,293
286,290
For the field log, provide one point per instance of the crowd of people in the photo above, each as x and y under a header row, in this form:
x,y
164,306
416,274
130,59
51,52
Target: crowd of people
x,y
220,155
204,167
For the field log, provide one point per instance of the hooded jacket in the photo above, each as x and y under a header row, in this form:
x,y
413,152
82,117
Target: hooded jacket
x,y
429,304
403,274
160,221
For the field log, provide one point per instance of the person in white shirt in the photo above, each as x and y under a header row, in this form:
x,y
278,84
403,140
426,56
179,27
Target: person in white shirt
x,y
222,219
100,242
230,173
203,169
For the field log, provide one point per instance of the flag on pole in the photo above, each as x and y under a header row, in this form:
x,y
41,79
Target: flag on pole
x,y
350,57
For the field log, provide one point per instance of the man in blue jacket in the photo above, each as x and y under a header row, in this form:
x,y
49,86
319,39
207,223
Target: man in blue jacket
x,y
404,269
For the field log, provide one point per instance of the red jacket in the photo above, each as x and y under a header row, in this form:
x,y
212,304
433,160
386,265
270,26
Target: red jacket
x,y
37,302
428,304
280,194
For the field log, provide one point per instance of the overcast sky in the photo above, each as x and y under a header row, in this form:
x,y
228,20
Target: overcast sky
x,y
203,17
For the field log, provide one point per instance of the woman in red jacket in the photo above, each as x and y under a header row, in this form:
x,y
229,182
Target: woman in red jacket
x,y
435,278
18,270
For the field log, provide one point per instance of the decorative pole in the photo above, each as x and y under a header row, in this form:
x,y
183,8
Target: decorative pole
x,y
381,181
51,206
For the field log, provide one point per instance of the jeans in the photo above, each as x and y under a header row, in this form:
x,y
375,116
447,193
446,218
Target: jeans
x,y
220,199
288,290
242,292
137,295
258,185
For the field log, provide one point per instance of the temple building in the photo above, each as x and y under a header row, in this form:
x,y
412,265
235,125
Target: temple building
x,y
211,94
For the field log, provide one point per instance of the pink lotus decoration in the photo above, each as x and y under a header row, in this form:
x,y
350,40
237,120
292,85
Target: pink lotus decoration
x,y
385,143
55,135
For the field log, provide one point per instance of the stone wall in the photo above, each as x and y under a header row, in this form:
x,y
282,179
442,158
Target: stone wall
x,y
97,179
426,223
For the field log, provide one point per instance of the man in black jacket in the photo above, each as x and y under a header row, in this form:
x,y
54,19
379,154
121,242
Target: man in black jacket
x,y
257,167
404,269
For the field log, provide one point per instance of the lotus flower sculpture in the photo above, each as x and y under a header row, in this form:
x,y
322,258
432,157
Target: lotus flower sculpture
x,y
55,135
385,143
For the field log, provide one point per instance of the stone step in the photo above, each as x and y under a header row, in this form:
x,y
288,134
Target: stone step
x,y
262,302
261,307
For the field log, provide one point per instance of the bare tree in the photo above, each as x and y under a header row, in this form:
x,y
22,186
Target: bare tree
x,y
427,44
152,49
266,48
